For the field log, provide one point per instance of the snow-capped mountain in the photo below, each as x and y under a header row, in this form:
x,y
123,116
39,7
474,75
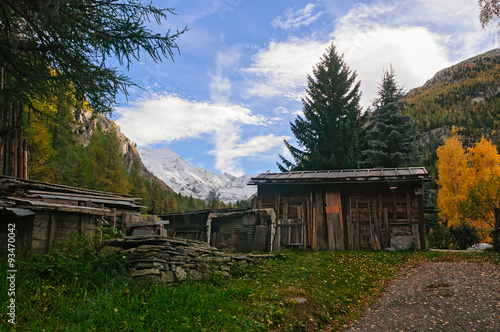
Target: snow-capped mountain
x,y
189,180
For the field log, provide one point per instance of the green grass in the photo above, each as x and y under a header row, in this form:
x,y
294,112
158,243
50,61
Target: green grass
x,y
80,290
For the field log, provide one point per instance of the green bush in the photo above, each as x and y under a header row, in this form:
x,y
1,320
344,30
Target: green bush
x,y
438,238
463,236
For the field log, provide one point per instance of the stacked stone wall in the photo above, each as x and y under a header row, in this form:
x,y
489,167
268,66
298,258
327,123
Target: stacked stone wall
x,y
165,260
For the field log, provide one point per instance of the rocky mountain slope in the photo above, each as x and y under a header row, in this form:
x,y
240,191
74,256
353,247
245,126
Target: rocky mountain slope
x,y
464,98
189,180
88,124
168,169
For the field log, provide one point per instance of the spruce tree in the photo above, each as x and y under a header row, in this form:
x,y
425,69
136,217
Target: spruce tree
x,y
328,133
391,136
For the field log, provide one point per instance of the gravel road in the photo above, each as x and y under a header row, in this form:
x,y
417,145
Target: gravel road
x,y
438,296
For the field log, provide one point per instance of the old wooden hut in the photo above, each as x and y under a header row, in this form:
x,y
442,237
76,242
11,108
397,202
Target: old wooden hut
x,y
44,213
233,230
360,209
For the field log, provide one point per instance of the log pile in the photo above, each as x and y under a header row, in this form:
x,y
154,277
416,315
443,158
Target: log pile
x,y
164,260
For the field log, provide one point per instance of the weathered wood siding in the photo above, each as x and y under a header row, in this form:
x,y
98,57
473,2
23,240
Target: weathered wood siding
x,y
365,216
50,228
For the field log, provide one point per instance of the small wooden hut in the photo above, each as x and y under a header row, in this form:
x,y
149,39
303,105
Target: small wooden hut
x,y
44,213
360,209
233,230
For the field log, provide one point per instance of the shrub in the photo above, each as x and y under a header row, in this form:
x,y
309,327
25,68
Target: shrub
x,y
464,235
438,238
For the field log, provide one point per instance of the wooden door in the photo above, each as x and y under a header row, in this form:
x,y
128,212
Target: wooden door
x,y
334,220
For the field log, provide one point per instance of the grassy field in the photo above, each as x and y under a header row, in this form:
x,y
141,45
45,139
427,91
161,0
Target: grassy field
x,y
80,290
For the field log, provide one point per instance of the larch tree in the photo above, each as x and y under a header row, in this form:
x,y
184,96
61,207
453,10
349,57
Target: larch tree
x,y
454,179
469,183
106,170
484,192
391,137
489,14
48,44
328,132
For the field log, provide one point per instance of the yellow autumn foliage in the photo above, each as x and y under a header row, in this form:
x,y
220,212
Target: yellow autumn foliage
x,y
468,182
454,179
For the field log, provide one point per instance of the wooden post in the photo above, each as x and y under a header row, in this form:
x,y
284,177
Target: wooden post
x,y
25,160
13,154
113,210
337,226
2,148
320,228
394,207
496,244
285,222
358,237
124,220
416,236
209,228
313,230
378,232
421,217
408,208
52,230
277,236
387,229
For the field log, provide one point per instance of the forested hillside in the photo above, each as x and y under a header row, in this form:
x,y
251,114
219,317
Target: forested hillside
x,y
72,147
464,98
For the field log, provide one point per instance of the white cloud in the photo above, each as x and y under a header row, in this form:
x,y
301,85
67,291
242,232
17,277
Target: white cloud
x,y
169,118
221,86
415,53
282,68
230,150
455,21
295,19
418,38
164,119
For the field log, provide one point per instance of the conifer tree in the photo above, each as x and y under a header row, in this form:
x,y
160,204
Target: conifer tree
x,y
48,44
107,170
391,136
328,132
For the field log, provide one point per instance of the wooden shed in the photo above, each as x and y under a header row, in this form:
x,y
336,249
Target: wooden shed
x,y
358,209
44,213
232,230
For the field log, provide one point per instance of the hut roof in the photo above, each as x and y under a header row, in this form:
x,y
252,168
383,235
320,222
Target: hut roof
x,y
344,176
22,197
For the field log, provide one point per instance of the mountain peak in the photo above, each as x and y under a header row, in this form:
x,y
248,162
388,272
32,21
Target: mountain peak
x,y
189,180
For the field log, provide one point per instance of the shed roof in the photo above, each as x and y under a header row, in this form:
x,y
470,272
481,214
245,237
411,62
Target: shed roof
x,y
22,196
345,175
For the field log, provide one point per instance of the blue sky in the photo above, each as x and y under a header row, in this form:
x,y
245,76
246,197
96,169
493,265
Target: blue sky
x,y
226,102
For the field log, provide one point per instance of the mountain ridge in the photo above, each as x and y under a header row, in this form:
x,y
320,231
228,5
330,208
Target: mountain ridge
x,y
190,180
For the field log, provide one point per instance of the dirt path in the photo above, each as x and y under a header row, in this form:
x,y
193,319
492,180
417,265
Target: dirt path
x,y
439,296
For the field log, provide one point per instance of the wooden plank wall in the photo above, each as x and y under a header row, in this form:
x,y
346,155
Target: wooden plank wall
x,y
378,217
346,219
51,227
